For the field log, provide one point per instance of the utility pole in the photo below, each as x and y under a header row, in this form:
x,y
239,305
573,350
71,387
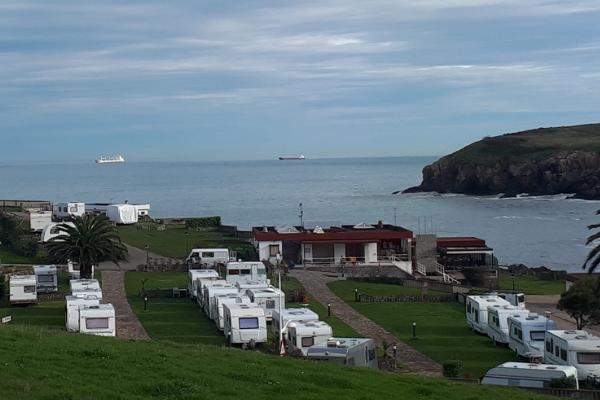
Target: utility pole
x,y
395,217
301,215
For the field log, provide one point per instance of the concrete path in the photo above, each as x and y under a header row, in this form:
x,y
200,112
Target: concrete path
x,y
113,291
135,257
316,284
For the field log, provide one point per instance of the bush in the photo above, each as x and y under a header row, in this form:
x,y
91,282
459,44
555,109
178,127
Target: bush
x,y
1,286
453,368
205,222
567,382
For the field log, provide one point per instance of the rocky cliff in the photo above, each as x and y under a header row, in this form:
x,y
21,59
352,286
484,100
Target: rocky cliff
x,y
538,162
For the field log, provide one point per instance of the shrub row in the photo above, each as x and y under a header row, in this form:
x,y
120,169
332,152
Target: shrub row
x,y
204,222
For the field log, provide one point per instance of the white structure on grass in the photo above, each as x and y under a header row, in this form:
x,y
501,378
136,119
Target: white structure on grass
x,y
269,299
244,324
223,299
360,352
211,300
204,285
46,277
208,258
526,333
291,314
22,289
195,277
38,220
98,320
477,310
528,375
72,306
68,210
303,335
243,271
577,348
498,321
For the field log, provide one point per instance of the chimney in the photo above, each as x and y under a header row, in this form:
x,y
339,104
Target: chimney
x,y
380,224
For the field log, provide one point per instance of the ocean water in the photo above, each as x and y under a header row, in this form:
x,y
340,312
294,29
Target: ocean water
x,y
546,230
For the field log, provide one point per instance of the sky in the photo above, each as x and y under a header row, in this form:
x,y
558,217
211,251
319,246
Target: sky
x,y
242,80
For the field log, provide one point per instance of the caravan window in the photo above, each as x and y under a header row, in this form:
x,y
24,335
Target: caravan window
x,y
261,271
245,272
73,209
270,304
29,289
588,358
563,354
248,323
477,317
308,341
96,323
233,272
468,306
537,335
208,254
549,345
556,351
371,354
518,333
45,278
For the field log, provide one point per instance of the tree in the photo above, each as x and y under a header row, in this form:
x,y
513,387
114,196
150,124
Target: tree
x,y
582,302
90,240
593,259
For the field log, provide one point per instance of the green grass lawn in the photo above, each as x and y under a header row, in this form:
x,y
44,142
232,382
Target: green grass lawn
x,y
178,320
531,285
42,364
442,332
173,242
8,257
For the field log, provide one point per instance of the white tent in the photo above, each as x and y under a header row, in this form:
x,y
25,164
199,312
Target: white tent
x,y
122,213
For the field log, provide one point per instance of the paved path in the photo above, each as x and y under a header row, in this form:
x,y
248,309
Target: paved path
x,y
316,283
113,291
135,257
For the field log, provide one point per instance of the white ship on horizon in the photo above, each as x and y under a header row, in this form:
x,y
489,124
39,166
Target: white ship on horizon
x,y
117,158
300,157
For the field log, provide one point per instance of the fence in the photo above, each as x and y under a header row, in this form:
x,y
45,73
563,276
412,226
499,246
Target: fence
x,y
418,284
365,298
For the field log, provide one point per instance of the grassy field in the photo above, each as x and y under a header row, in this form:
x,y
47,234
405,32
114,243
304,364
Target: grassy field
x,y
442,332
178,320
173,241
41,364
8,257
531,285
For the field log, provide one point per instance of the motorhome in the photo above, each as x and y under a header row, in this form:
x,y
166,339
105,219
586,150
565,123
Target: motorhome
x,y
239,271
222,299
243,286
498,321
244,324
210,305
73,270
268,299
577,348
203,285
22,289
194,278
208,258
360,352
98,320
72,306
52,231
303,335
38,220
46,277
291,314
515,299
526,333
528,375
68,210
477,310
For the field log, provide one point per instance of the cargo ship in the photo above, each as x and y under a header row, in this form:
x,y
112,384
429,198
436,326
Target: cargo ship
x,y
110,159
300,157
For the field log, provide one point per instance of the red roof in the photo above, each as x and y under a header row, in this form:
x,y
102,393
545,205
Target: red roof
x,y
335,234
460,242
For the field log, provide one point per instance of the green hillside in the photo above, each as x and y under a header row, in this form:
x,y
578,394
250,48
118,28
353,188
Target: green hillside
x,y
43,364
532,144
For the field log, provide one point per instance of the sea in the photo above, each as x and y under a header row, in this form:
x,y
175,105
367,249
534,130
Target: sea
x,y
539,230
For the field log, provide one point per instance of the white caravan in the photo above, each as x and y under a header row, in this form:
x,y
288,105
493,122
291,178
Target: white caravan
x,y
194,277
22,289
222,299
244,324
122,214
73,269
72,306
239,271
579,349
526,333
515,299
46,277
78,285
203,285
243,286
358,352
291,314
268,299
68,210
211,301
498,321
208,258
98,320
528,375
302,335
51,231
477,310
38,220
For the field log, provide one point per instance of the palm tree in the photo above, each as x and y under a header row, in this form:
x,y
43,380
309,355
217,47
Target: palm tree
x,y
593,259
88,240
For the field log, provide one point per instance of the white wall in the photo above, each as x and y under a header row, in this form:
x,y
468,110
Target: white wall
x,y
339,251
263,250
371,252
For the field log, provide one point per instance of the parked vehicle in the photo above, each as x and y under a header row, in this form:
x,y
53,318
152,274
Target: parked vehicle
x,y
208,258
243,286
73,270
72,306
211,301
498,321
222,299
51,231
291,314
204,284
515,299
528,375
122,214
22,289
477,310
303,335
194,279
360,352
68,210
244,324
268,299
527,333
46,277
576,348
238,271
97,320
77,285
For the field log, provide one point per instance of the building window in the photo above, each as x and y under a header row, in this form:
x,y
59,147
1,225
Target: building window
x,y
248,323
273,250
96,323
270,304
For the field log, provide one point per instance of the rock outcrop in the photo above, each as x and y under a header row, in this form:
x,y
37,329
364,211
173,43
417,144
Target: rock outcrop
x,y
542,170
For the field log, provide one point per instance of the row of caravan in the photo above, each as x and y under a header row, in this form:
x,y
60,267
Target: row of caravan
x,y
84,312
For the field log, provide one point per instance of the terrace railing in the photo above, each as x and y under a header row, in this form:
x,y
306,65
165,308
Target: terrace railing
x,y
447,278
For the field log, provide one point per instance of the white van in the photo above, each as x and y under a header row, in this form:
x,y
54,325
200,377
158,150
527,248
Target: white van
x,y
526,333
72,306
577,348
498,321
208,258
268,299
22,289
528,375
239,271
46,277
289,315
515,299
244,324
98,320
302,335
477,310
194,276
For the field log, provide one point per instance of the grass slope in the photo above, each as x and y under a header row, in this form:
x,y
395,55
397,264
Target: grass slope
x,y
39,364
442,332
531,285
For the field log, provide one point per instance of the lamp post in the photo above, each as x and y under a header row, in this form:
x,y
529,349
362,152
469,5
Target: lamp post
x,y
548,315
355,294
414,329
395,351
145,303
329,309
147,255
187,245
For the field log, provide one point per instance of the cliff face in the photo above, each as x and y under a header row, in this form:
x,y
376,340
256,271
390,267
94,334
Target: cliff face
x,y
553,171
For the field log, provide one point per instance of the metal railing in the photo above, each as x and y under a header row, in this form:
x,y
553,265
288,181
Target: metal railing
x,y
447,278
351,260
